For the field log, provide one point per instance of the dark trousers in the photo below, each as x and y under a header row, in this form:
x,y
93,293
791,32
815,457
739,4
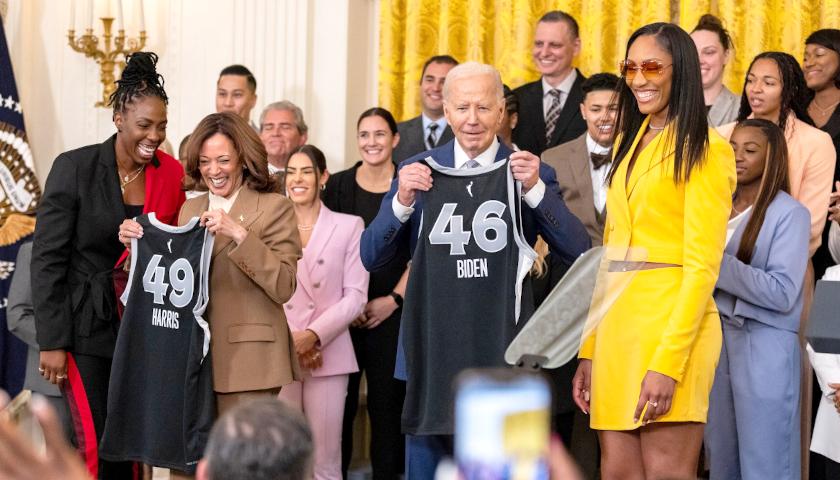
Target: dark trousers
x,y
94,374
376,351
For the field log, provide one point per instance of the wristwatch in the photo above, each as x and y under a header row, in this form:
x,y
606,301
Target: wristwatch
x,y
397,298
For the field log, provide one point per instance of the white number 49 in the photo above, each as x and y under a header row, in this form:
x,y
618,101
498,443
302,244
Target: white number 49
x,y
180,275
487,218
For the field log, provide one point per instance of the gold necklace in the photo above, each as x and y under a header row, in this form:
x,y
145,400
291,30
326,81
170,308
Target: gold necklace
x,y
824,111
129,177
305,228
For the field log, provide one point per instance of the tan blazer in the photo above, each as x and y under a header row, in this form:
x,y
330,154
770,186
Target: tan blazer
x,y
571,162
250,343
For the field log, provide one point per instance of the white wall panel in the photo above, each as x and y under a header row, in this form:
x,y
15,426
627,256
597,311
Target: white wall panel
x,y
320,54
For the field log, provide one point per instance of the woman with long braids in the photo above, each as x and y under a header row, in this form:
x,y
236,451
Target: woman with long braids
x,y
646,371
753,427
89,192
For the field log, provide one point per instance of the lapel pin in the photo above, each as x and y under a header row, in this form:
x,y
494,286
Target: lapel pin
x,y
241,218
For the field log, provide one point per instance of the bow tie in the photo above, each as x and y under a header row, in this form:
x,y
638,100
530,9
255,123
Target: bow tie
x,y
599,159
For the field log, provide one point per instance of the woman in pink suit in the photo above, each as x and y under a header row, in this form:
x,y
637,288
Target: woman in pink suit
x,y
331,292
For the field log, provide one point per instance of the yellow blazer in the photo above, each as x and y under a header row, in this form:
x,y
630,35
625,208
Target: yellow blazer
x,y
250,344
681,223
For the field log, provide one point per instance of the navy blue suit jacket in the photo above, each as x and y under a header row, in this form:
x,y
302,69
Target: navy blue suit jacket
x,y
565,234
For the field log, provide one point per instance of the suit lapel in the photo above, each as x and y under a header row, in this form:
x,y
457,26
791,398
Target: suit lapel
x,y
570,108
321,235
244,210
534,103
446,136
579,158
109,181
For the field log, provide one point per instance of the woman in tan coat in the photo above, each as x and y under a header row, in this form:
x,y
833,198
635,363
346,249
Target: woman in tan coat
x,y
255,255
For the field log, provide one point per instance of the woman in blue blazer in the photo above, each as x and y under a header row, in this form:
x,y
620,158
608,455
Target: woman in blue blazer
x,y
753,422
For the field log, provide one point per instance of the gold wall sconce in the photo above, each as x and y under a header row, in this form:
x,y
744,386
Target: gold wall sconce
x,y
110,53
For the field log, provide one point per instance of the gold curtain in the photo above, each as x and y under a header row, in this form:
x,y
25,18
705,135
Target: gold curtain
x,y
761,25
500,32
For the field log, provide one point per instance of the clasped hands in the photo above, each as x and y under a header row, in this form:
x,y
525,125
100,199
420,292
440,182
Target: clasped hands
x,y
416,176
307,347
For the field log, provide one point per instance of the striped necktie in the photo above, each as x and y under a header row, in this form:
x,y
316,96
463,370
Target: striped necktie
x,y
552,115
431,140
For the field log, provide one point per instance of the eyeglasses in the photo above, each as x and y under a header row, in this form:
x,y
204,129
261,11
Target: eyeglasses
x,y
651,69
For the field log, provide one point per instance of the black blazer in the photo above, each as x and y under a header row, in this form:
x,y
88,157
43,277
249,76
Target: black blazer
x,y
529,134
74,251
413,140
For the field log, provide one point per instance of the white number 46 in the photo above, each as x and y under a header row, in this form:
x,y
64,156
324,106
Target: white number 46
x,y
487,218
180,275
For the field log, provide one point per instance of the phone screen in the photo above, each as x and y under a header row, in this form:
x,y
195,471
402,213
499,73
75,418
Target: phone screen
x,y
502,426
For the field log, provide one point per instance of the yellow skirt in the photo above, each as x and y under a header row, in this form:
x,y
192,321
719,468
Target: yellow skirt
x,y
625,343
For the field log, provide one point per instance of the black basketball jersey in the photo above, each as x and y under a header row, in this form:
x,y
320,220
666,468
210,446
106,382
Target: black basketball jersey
x,y
462,302
161,404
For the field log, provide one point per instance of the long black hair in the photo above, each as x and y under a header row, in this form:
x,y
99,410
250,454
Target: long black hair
x,y
139,79
686,106
795,92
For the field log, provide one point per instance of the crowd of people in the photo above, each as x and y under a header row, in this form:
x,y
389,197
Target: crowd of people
x,y
319,277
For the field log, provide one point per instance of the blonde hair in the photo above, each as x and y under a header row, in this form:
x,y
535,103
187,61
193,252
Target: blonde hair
x,y
539,268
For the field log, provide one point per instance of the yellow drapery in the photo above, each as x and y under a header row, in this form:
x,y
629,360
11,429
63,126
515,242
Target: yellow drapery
x,y
500,32
761,25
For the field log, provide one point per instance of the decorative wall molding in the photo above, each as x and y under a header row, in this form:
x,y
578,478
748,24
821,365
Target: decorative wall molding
x,y
320,54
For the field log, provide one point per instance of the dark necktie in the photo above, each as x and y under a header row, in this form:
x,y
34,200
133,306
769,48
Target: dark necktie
x,y
431,140
552,115
599,159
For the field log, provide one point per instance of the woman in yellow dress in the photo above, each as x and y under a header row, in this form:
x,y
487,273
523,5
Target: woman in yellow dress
x,y
647,369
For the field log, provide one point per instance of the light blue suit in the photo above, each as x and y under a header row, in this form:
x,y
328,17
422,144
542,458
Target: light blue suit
x,y
753,424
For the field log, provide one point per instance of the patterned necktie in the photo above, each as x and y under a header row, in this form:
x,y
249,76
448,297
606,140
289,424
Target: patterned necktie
x,y
599,159
552,115
431,140
471,163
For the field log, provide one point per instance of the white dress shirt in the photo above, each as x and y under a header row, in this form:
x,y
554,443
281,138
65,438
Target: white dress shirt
x,y
565,87
441,123
216,202
484,159
734,222
599,176
272,169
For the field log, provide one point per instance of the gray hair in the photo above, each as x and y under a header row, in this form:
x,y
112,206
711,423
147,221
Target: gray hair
x,y
260,440
474,69
289,107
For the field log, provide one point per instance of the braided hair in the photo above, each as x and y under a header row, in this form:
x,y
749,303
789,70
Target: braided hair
x,y
139,79
795,93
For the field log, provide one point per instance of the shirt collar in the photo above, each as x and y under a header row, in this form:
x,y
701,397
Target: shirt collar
x,y
594,147
441,122
216,202
484,159
565,86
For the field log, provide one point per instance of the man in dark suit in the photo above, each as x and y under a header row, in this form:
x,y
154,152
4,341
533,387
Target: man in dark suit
x,y
474,106
429,129
548,108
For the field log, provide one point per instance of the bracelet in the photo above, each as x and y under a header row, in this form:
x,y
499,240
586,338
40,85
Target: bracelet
x,y
398,299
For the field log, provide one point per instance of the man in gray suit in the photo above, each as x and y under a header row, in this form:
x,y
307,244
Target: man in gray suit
x,y
429,129
582,164
21,322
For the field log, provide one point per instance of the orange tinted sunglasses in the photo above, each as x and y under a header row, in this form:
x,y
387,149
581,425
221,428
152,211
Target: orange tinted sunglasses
x,y
651,69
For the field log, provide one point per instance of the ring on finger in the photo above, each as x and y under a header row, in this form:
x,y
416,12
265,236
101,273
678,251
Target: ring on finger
x,y
654,404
